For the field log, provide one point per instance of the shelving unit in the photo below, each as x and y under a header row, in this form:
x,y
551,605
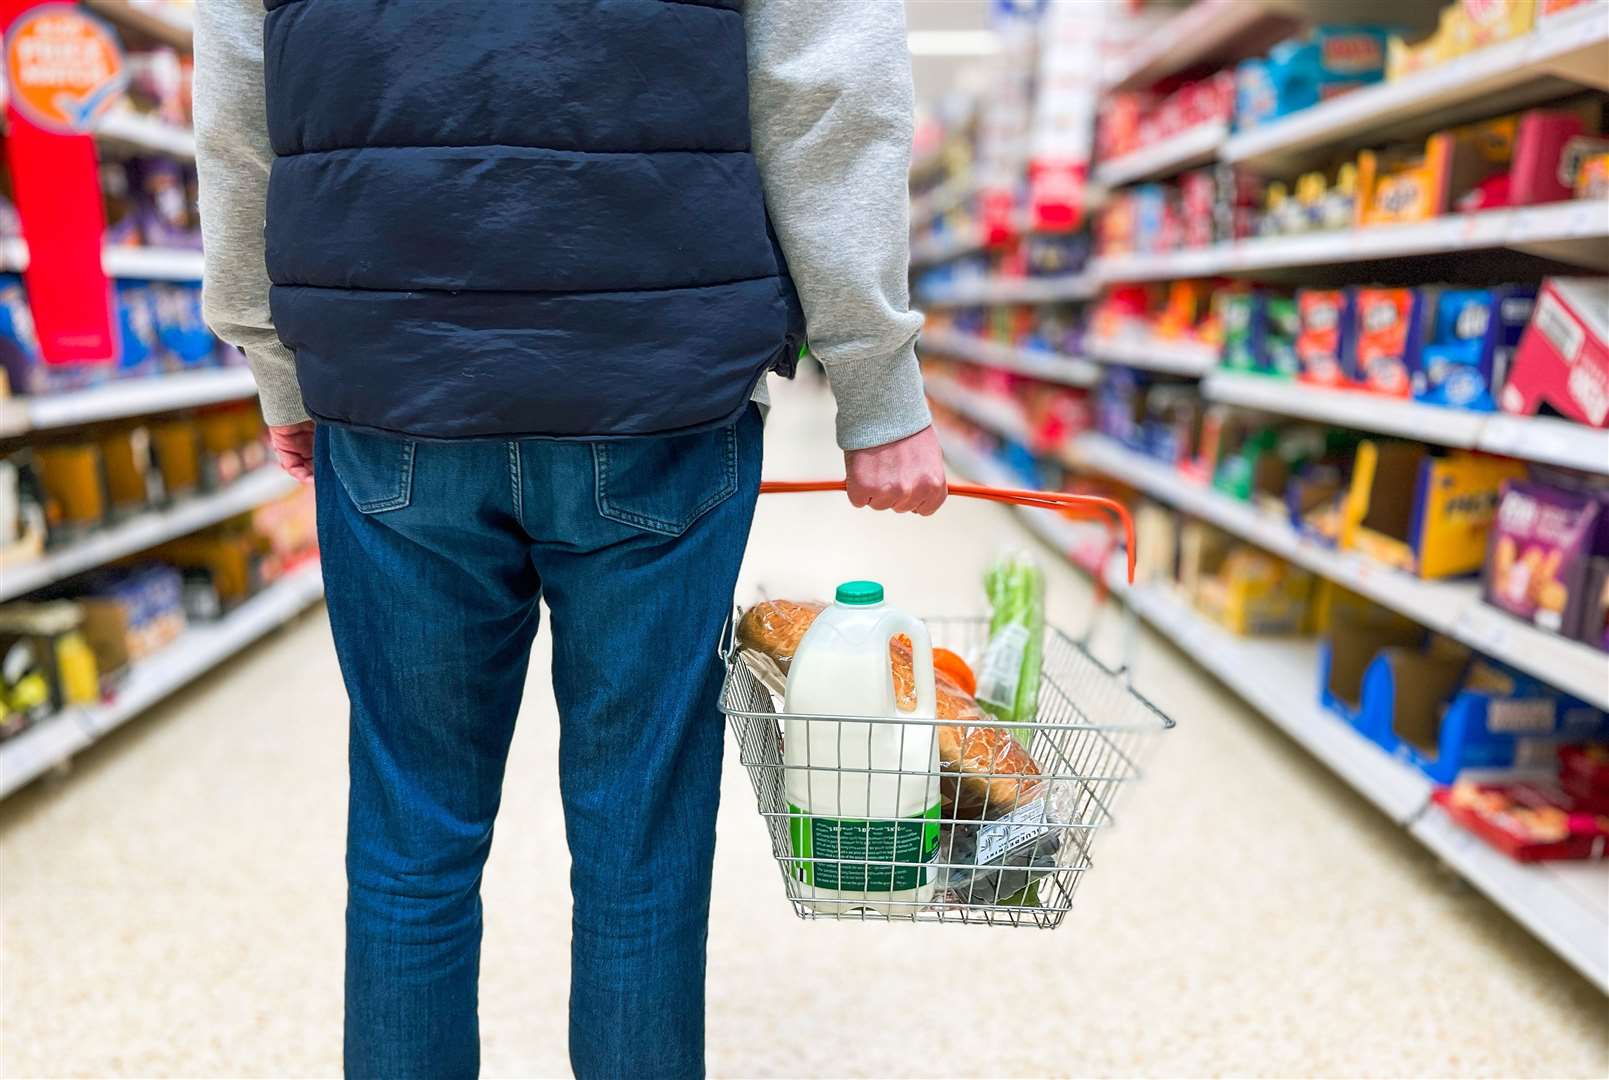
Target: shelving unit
x,y
146,134
1153,354
1012,290
1200,32
998,415
146,530
1186,150
197,651
1575,231
1035,363
1565,905
124,397
945,247
1534,438
1453,608
158,21
150,263
1567,49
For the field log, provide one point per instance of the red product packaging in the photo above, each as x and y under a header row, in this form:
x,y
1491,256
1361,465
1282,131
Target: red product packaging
x,y
1390,331
1540,173
1584,774
1562,360
1529,821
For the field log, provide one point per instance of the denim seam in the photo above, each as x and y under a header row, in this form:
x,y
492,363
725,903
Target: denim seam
x,y
404,493
514,479
600,462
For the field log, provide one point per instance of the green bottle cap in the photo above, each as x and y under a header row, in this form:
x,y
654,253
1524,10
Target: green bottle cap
x,y
860,593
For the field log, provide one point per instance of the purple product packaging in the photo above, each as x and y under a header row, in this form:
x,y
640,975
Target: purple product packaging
x,y
1544,543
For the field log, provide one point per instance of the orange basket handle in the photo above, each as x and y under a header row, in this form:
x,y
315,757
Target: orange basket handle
x,y
1064,501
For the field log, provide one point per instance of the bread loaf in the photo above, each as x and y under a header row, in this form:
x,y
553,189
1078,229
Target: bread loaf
x,y
775,627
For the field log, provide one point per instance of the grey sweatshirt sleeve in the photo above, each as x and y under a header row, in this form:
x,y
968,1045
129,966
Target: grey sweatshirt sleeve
x,y
830,106
232,158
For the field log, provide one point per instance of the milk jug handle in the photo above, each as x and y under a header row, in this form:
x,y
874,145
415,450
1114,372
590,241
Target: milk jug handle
x,y
899,622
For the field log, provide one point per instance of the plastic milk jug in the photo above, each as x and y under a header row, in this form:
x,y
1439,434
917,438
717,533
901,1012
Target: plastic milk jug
x,y
847,782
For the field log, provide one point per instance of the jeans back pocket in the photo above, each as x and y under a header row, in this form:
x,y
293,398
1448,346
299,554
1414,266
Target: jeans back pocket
x,y
376,471
664,484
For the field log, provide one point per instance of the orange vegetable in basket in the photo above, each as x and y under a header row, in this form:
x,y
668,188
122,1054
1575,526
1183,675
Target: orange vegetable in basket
x,y
948,663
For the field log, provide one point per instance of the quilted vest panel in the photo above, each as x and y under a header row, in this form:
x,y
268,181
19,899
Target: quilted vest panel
x,y
496,219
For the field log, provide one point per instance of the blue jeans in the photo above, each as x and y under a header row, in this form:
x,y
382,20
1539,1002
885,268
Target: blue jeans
x,y
435,555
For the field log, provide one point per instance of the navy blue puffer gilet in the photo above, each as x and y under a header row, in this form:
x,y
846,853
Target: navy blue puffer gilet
x,y
518,218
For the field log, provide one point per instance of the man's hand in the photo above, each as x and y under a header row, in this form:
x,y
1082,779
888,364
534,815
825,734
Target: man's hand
x,y
293,444
902,476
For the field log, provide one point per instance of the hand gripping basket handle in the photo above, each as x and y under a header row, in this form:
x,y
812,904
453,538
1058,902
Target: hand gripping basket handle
x,y
1066,502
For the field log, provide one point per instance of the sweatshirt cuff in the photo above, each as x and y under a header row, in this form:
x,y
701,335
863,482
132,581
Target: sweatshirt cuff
x,y
278,393
880,400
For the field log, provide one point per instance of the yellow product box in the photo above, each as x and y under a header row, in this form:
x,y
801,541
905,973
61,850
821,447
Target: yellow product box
x,y
1255,593
74,483
1405,184
1424,514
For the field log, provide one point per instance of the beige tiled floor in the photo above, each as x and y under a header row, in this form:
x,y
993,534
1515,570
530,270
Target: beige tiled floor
x,y
173,907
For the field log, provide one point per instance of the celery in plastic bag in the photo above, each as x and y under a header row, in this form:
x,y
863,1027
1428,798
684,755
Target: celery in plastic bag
x,y
1008,679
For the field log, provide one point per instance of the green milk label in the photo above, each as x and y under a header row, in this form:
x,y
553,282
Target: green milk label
x,y
852,855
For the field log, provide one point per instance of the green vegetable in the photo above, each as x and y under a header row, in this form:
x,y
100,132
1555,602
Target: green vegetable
x,y
1008,682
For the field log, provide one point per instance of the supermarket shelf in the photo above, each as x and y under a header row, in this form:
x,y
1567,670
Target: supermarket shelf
x,y
167,24
1197,146
1571,48
1035,363
1565,904
1555,442
160,264
145,133
1453,608
996,414
1574,231
146,530
1205,30
944,247
1279,677
941,200
1013,290
1355,409
195,652
1153,354
124,397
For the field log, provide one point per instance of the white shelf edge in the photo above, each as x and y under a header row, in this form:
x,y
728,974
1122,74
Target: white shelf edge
x,y
1521,227
941,249
1533,438
198,650
125,397
1453,608
147,133
1181,41
1538,896
1464,79
1195,146
158,264
1547,899
1050,367
1153,354
146,530
992,414
1005,290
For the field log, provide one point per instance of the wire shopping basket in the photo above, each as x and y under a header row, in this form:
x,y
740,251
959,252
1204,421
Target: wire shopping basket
x,y
1014,817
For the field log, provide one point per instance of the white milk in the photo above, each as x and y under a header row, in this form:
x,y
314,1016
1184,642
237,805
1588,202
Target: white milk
x,y
840,815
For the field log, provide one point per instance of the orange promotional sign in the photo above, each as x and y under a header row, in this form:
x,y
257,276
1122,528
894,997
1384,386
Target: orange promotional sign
x,y
63,68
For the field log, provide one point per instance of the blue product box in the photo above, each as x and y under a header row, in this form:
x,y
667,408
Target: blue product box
x,y
1299,73
1444,713
185,337
1474,334
139,346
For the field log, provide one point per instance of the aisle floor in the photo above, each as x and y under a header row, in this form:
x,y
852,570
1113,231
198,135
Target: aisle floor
x,y
173,906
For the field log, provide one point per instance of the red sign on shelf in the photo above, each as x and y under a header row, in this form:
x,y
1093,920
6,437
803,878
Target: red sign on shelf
x,y
63,70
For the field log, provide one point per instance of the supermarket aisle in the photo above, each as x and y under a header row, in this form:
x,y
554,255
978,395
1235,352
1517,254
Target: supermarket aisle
x,y
174,907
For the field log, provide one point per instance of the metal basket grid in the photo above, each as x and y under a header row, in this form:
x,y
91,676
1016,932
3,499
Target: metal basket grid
x,y
993,868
